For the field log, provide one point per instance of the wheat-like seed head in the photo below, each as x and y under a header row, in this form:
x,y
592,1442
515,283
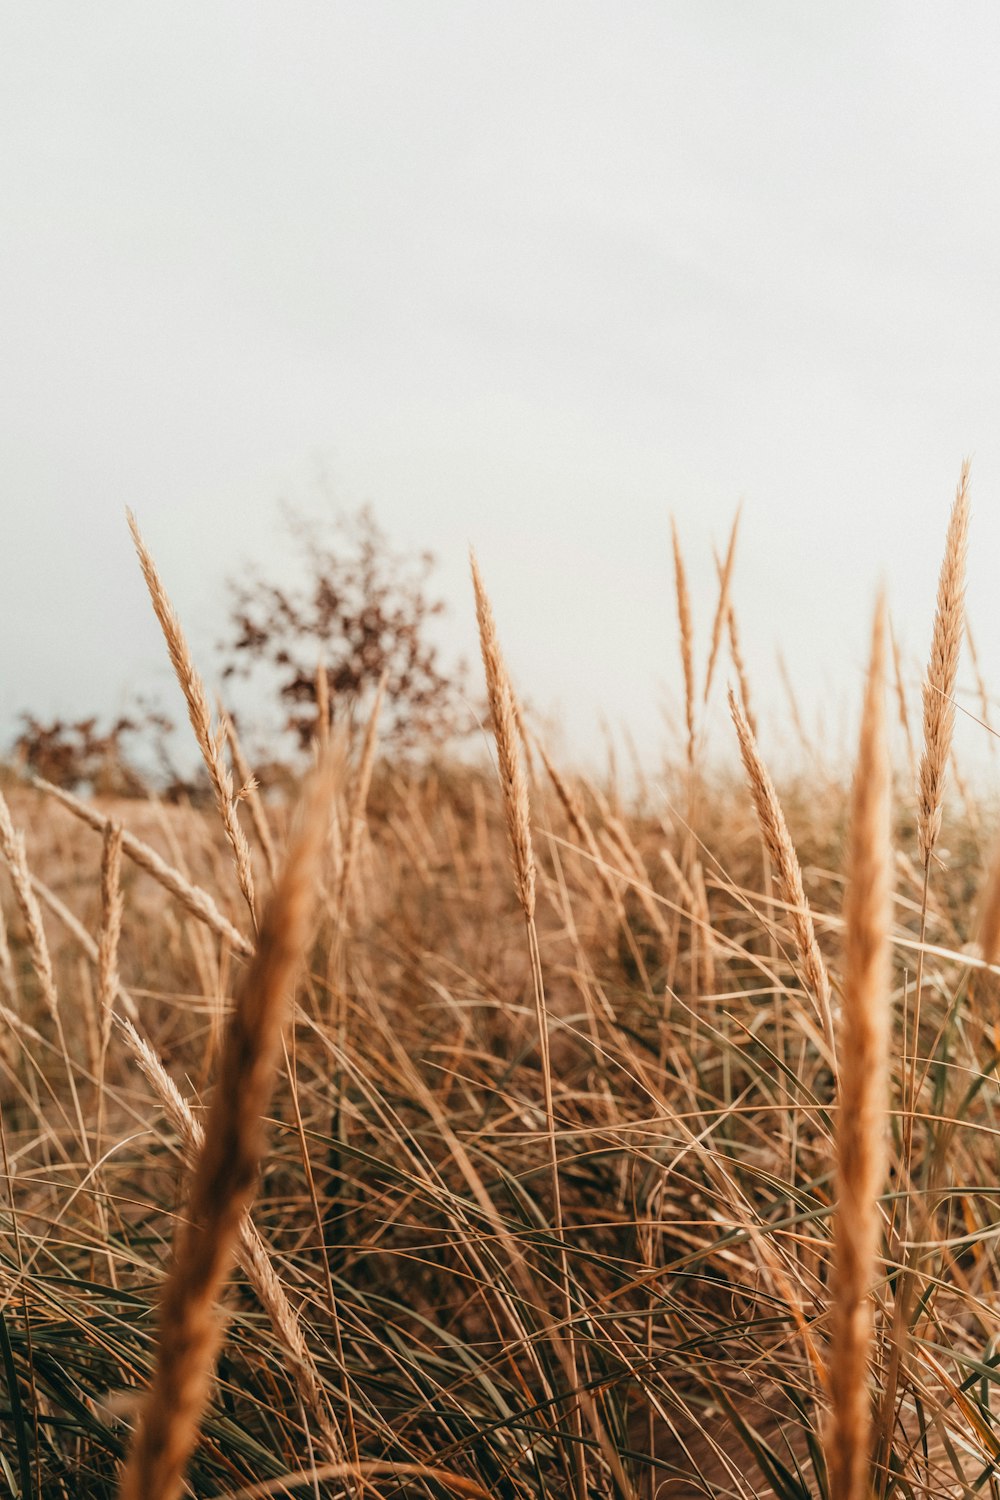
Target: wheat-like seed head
x,y
778,842
195,900
210,741
251,1252
942,670
687,638
112,908
8,982
251,793
226,1171
13,852
863,1093
722,609
989,913
513,785
739,666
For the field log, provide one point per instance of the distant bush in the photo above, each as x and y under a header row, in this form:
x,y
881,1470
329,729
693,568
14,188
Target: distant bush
x,y
77,753
360,611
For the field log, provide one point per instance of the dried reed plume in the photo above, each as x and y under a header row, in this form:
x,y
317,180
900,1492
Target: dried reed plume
x,y
8,983
81,936
513,786
942,670
517,814
984,697
250,793
739,666
580,825
989,913
225,1176
722,610
777,841
210,741
15,856
904,717
861,1115
194,900
687,638
112,907
251,1252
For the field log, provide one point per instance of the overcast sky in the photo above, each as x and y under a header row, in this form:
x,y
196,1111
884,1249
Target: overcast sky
x,y
531,276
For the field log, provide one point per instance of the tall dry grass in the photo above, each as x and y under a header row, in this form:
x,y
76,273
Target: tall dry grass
x,y
589,1170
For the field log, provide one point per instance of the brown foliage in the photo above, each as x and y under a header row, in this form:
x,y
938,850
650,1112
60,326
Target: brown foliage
x,y
362,611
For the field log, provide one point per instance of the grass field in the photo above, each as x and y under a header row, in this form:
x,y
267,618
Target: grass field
x,y
563,1085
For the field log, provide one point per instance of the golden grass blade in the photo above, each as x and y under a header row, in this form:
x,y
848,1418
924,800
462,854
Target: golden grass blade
x,y
862,1162
739,667
778,842
15,856
904,717
112,910
580,825
225,1176
8,983
513,786
198,902
942,671
251,1252
210,741
723,608
517,814
984,697
989,913
80,935
359,795
251,794
687,638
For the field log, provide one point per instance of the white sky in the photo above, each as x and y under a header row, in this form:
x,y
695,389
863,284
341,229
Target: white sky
x,y
527,275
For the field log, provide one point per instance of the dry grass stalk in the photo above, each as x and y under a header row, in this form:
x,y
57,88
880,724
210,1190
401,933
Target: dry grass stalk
x,y
723,608
904,717
862,1161
359,795
15,856
965,796
793,708
251,1252
525,738
984,697
513,786
108,986
79,933
777,841
517,814
210,741
108,981
643,884
250,792
8,982
226,1173
580,825
942,671
701,935
687,639
989,913
676,874
736,654
198,902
